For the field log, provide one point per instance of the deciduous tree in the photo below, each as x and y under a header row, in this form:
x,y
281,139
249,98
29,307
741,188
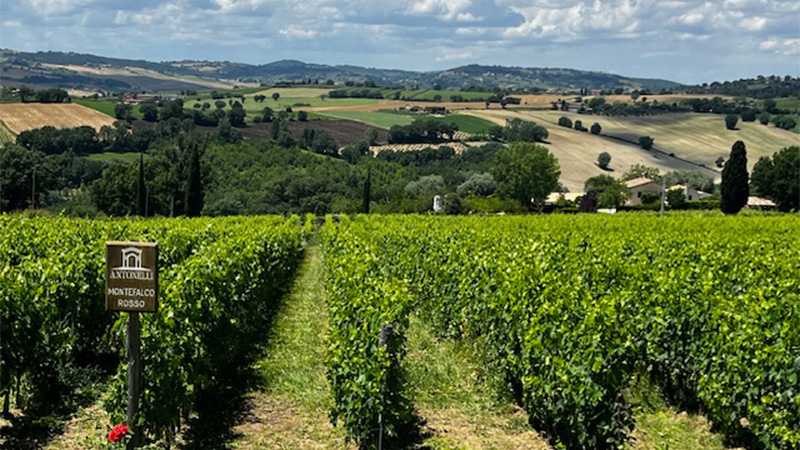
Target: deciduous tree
x,y
778,178
646,142
527,173
610,192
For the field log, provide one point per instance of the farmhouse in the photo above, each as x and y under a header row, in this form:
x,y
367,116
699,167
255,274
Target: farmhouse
x,y
137,99
759,203
554,197
640,186
690,193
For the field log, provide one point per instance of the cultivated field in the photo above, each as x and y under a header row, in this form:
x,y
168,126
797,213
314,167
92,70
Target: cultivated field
x,y
20,117
296,103
457,146
300,92
345,132
700,138
468,124
577,151
141,72
6,136
378,119
541,101
385,118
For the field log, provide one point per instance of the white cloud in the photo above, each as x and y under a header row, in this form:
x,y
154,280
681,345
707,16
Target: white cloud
x,y
454,56
446,10
781,46
298,32
744,36
691,18
49,7
693,37
754,23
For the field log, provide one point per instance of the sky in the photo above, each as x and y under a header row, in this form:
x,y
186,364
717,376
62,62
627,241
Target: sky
x,y
679,40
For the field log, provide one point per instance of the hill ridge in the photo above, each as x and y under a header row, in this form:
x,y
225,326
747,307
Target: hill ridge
x,y
60,69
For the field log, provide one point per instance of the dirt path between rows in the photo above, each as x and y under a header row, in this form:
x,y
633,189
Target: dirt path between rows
x,y
291,411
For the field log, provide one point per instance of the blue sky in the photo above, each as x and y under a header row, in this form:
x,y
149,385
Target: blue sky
x,y
680,40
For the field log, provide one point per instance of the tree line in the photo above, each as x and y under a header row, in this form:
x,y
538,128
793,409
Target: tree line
x,y
28,95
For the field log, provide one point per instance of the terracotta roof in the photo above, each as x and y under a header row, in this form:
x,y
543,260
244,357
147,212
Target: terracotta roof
x,y
571,196
638,182
758,201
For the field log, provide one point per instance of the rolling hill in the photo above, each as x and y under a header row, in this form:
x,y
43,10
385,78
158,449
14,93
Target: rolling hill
x,y
92,72
695,140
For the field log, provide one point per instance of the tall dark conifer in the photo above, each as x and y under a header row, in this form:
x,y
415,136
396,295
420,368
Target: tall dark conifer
x,y
367,188
194,184
141,204
735,189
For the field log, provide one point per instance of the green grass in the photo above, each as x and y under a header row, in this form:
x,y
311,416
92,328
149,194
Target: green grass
x,y
375,118
111,157
295,92
459,398
796,118
448,379
243,91
661,427
105,106
790,103
468,124
445,373
430,94
6,136
315,116
294,365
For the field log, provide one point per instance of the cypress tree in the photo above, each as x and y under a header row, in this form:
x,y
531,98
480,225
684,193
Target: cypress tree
x,y
194,192
735,189
142,201
367,188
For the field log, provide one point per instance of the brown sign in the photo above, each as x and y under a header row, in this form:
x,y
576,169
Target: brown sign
x,y
131,276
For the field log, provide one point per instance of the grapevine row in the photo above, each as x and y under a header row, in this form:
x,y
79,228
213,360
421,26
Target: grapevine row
x,y
569,309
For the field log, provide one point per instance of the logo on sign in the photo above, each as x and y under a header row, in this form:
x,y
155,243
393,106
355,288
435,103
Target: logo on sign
x,y
131,266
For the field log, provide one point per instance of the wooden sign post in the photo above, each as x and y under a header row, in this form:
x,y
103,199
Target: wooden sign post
x,y
132,286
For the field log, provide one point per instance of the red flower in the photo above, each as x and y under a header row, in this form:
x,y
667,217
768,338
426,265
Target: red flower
x,y
117,433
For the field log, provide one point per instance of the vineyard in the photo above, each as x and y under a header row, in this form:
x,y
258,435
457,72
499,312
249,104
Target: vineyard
x,y
569,313
570,310
220,281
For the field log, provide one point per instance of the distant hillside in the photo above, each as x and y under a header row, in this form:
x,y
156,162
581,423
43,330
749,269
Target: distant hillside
x,y
91,72
772,86
541,77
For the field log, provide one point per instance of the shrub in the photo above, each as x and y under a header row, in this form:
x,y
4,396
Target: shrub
x,y
784,122
480,184
730,121
603,159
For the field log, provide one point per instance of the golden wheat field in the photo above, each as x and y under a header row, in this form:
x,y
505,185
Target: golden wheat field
x,y
20,117
577,151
